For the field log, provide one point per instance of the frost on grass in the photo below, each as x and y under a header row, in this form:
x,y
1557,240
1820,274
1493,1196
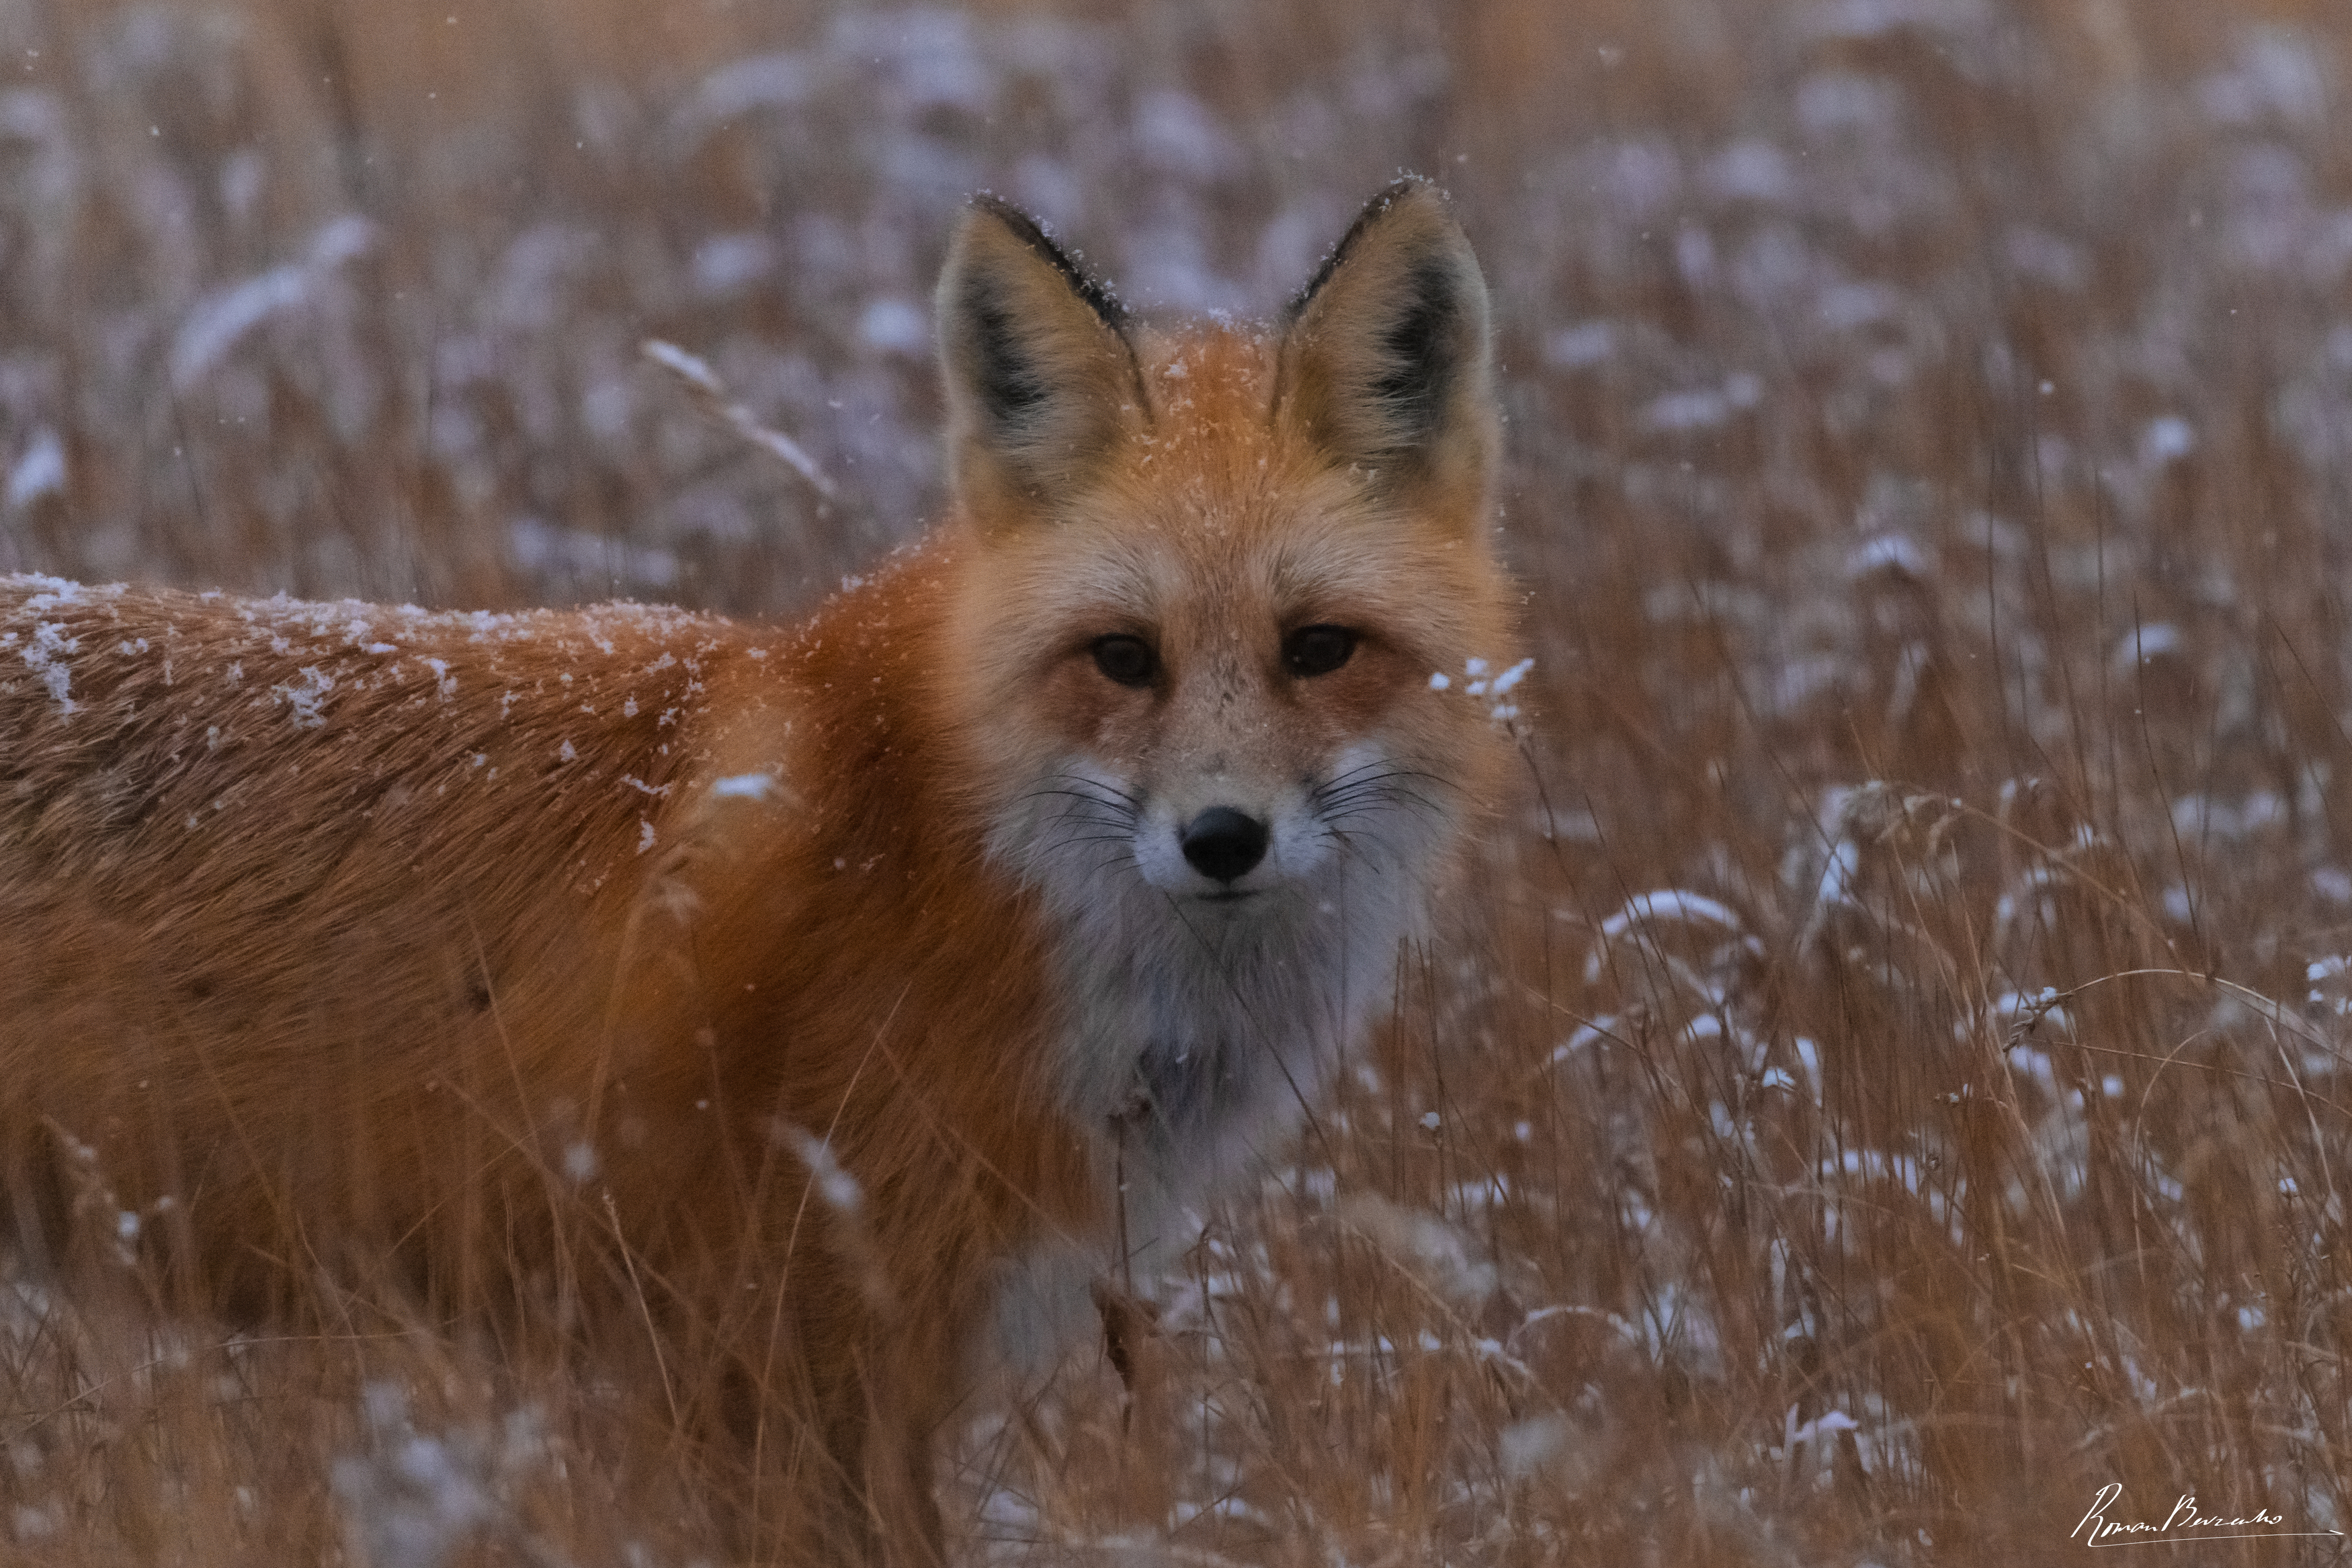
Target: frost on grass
x,y
39,471
221,321
1922,466
418,1498
412,1499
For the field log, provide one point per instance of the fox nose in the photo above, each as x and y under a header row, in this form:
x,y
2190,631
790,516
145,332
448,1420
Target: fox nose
x,y
1223,843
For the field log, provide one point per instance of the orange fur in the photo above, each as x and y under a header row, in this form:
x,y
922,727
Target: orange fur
x,y
544,963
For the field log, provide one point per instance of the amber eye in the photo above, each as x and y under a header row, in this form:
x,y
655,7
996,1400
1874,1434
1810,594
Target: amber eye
x,y
1127,659
1318,650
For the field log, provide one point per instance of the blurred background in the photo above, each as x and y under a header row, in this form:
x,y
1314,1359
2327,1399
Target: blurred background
x,y
1898,1092
345,297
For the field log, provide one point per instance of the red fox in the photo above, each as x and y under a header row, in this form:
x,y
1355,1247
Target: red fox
x,y
789,990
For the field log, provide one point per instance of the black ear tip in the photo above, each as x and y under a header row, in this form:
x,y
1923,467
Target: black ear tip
x,y
1028,230
1405,186
1415,191
1407,190
986,205
1033,236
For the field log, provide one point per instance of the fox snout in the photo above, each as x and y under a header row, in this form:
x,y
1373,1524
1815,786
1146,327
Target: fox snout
x,y
1224,844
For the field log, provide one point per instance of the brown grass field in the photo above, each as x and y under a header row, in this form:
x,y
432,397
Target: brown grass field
x,y
1895,1082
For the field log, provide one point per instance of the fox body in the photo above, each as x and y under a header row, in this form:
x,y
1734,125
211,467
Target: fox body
x,y
787,988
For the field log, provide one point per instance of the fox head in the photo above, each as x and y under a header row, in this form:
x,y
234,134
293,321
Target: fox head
x,y
1211,574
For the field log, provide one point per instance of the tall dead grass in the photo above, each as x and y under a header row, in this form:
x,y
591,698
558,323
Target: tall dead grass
x,y
1893,1084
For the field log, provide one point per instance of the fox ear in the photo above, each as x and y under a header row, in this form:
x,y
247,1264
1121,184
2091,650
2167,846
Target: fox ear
x,y
1039,374
1386,362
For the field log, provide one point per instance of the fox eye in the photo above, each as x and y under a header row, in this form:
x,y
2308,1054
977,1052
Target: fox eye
x,y
1127,659
1318,650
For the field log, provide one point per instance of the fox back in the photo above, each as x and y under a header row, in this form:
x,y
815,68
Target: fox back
x,y
795,991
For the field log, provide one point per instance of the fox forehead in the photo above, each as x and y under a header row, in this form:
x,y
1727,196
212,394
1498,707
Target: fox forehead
x,y
1219,516
1209,391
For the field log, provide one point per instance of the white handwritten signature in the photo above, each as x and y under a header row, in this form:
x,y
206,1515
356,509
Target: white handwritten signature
x,y
2186,1521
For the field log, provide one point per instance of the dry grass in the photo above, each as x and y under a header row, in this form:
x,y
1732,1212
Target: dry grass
x,y
1792,1165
